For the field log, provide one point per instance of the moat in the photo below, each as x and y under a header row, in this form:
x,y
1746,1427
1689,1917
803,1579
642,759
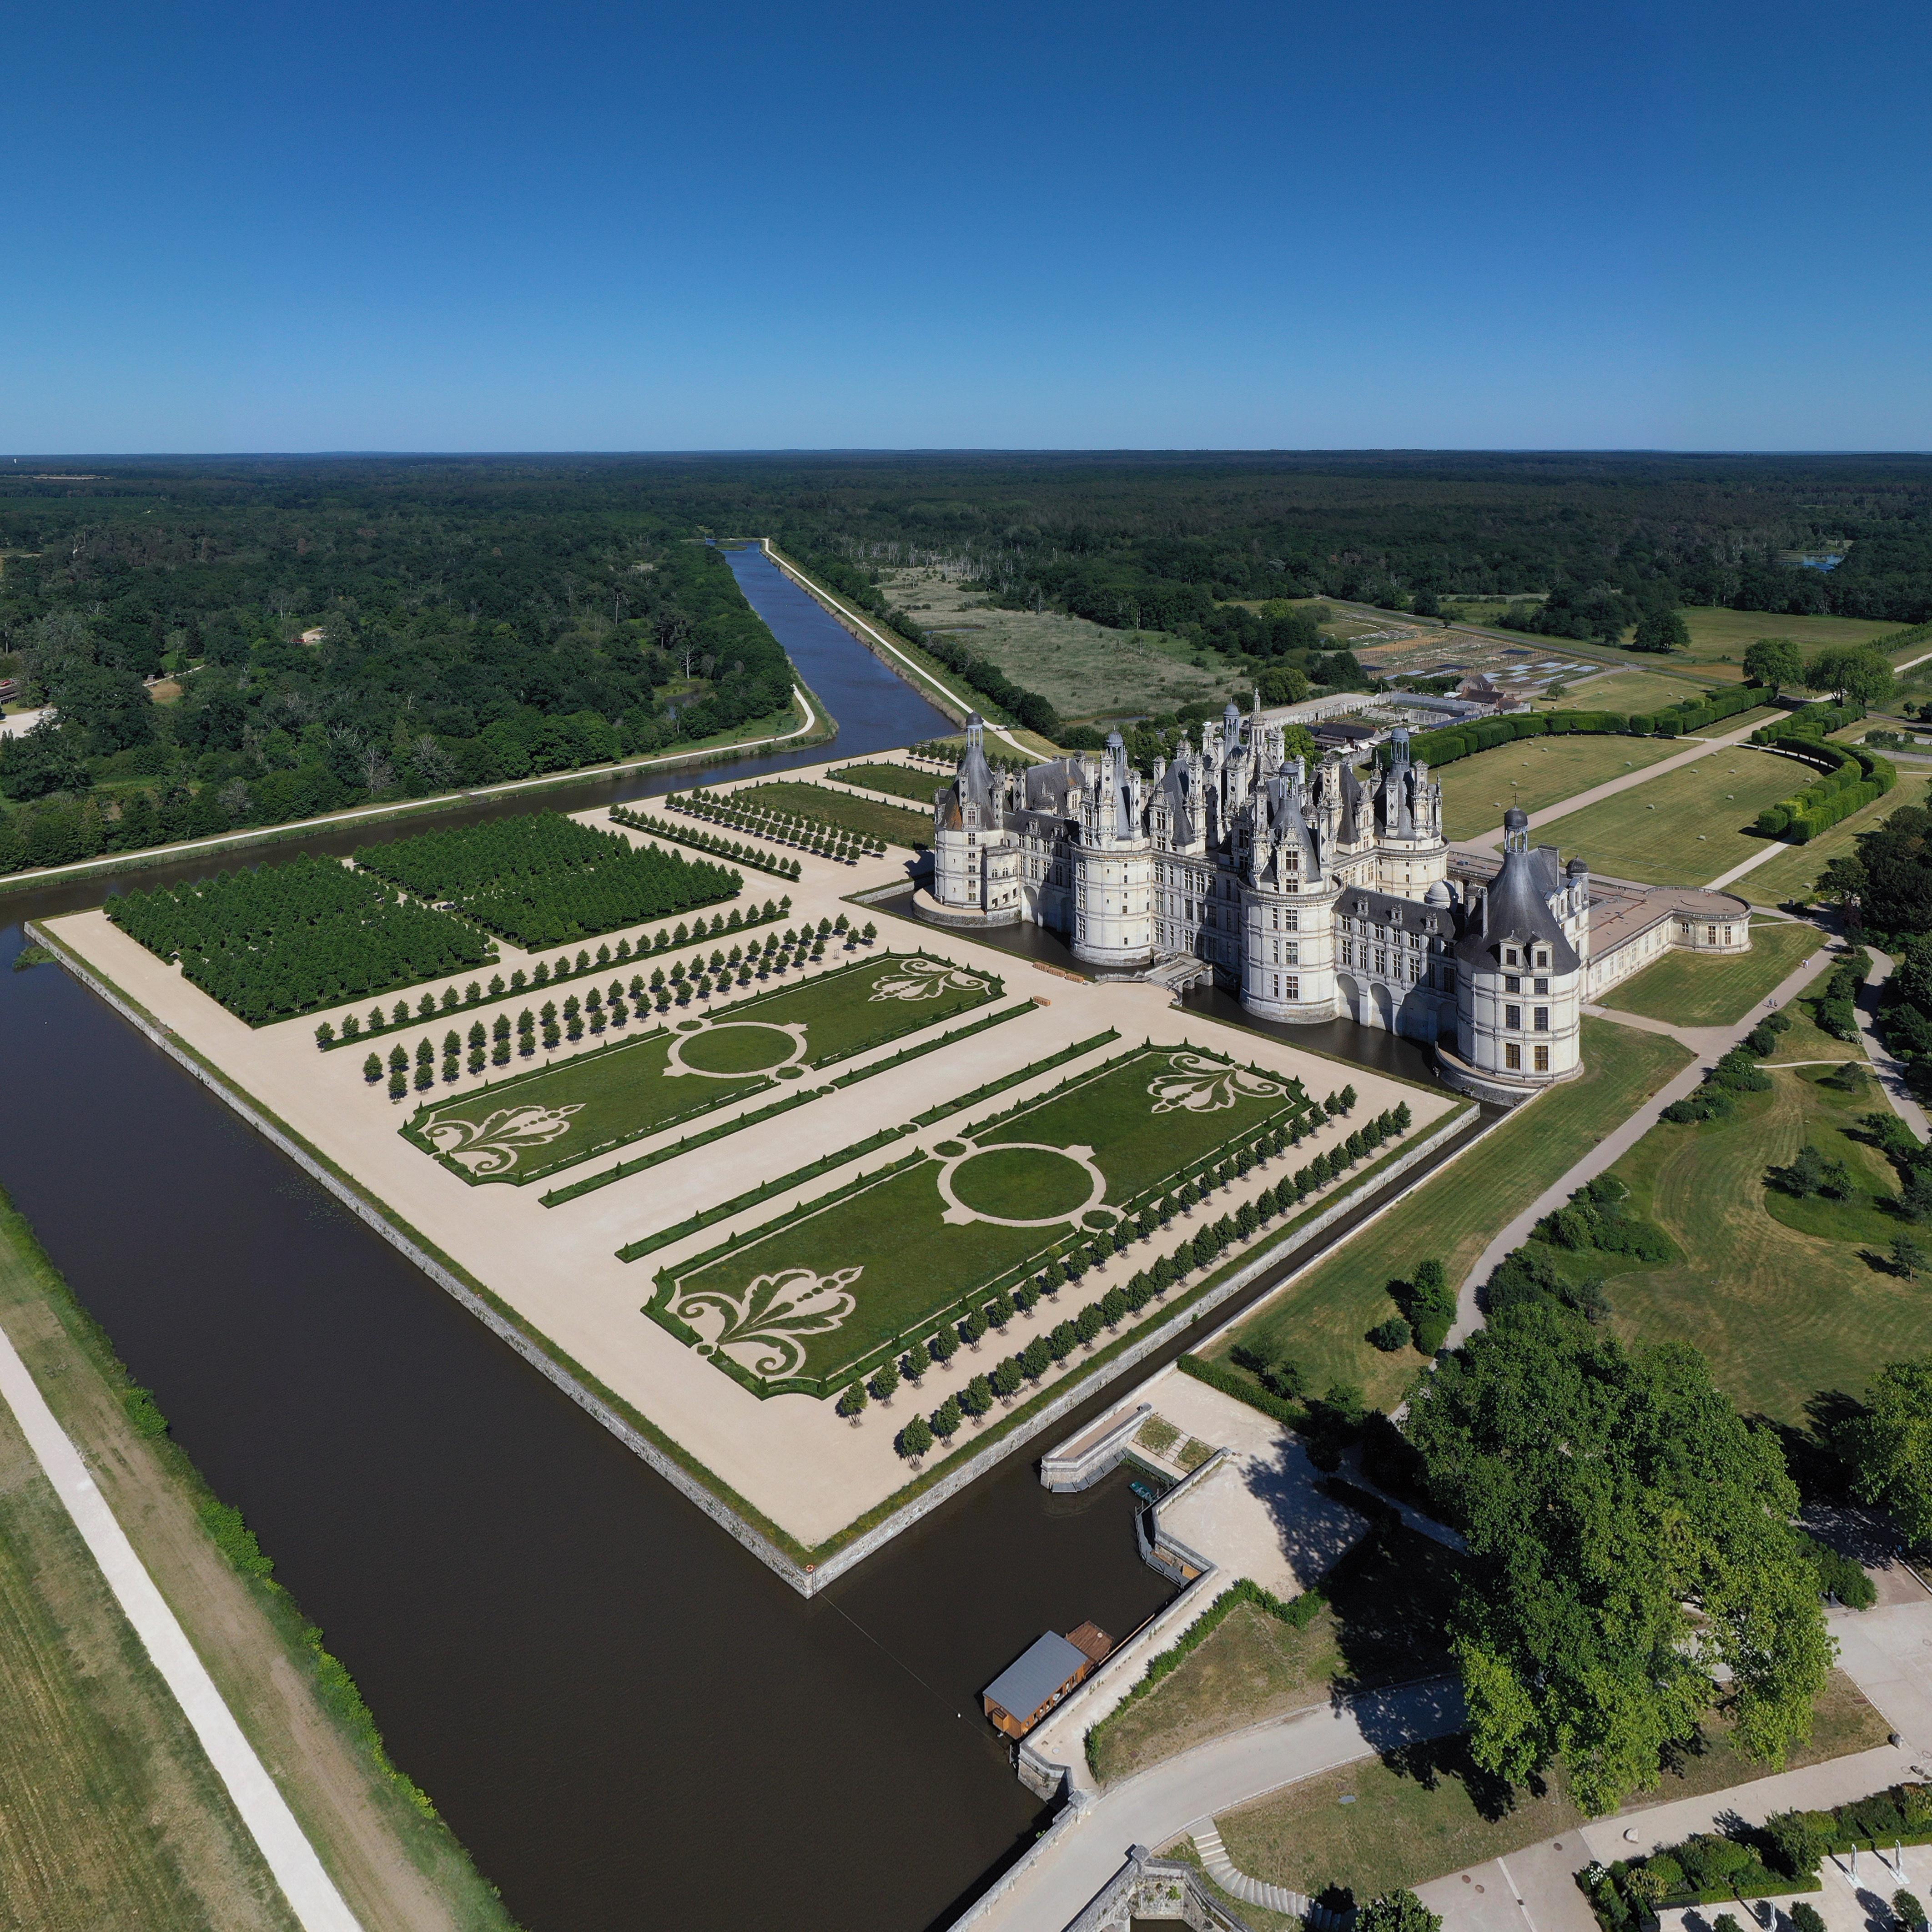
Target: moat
x,y
608,1698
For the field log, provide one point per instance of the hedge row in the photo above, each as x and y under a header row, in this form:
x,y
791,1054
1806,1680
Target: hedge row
x,y
1452,742
1854,776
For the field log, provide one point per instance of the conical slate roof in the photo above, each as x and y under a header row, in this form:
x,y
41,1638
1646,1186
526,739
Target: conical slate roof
x,y
1516,908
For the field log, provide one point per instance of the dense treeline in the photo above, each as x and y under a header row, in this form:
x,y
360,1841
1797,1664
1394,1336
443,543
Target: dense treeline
x,y
346,633
288,939
543,879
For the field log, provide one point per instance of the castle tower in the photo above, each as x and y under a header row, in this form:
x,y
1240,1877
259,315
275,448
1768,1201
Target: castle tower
x,y
1113,867
973,867
1408,824
1288,904
1520,977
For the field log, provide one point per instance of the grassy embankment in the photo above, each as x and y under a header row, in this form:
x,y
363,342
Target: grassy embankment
x,y
1322,1316
1684,827
1698,990
110,1815
902,781
1425,1811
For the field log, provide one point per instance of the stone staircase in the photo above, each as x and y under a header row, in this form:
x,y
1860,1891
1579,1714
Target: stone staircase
x,y
1177,971
1251,1891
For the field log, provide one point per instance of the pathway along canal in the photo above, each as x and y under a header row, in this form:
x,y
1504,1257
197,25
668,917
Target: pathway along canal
x,y
627,1719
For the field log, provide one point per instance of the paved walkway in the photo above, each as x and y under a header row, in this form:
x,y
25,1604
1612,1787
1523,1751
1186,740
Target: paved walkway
x,y
1891,1074
310,1892
1564,807
1042,1894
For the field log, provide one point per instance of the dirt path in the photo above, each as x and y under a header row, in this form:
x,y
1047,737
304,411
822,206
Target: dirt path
x,y
399,1871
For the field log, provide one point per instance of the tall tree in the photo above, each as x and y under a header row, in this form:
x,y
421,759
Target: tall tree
x,y
1629,1536
1660,631
1889,1446
1775,662
1849,672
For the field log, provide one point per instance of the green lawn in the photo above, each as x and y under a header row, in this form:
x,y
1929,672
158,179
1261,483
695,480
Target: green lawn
x,y
891,1254
1427,1811
1534,773
1717,633
523,1127
1626,691
1806,1039
1793,874
893,823
901,780
1382,1623
1787,1298
1684,827
1696,990
1321,1317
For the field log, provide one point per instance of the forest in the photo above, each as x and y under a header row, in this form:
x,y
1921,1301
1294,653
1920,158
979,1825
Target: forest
x,y
336,631
319,649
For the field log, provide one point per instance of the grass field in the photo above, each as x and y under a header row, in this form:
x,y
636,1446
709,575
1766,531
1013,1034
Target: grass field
x,y
1085,669
1696,990
521,1128
1534,773
1717,633
1382,1624
1793,874
901,780
1322,1316
1787,1298
1684,827
893,823
911,1242
1426,1811
1806,1039
1626,691
110,1813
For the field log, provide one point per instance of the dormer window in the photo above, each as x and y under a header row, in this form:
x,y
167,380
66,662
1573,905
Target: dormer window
x,y
1543,959
1509,956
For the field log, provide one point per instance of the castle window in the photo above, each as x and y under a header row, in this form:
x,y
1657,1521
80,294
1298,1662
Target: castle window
x,y
1543,1019
1511,983
1293,917
1542,988
1727,935
1381,960
1710,935
1509,956
1512,1016
1512,1058
1293,987
1294,955
1543,1059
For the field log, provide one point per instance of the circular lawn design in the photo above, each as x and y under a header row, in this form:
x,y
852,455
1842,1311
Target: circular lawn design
x,y
730,1049
1021,1184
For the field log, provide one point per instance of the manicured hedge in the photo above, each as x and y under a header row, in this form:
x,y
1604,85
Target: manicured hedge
x,y
1854,776
1483,734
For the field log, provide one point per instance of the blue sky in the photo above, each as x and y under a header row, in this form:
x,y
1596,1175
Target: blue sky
x,y
555,227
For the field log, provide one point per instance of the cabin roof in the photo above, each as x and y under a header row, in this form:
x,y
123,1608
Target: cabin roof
x,y
1024,1685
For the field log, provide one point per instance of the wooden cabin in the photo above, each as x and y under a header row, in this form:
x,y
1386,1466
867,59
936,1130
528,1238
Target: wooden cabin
x,y
1028,1688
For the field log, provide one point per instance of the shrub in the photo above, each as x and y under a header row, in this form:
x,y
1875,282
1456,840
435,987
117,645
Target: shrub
x,y
914,1439
1391,1335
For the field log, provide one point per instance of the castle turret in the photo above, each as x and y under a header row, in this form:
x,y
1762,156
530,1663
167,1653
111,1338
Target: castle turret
x,y
1113,866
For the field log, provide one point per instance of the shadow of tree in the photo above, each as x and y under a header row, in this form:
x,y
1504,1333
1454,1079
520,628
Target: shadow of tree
x,y
1433,1762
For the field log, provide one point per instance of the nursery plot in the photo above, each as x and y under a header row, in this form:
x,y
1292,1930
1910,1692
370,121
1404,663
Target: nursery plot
x,y
523,1128
544,879
289,939
796,1306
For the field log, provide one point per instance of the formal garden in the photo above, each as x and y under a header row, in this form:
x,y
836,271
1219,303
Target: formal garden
x,y
523,1128
737,851
278,940
812,831
1053,1186
819,804
541,879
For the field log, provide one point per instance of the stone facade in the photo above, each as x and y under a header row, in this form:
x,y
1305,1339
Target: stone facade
x,y
1309,895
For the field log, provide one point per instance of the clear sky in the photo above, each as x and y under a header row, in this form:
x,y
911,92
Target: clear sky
x,y
1017,223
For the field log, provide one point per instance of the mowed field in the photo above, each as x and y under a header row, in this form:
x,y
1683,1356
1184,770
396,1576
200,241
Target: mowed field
x,y
1322,1318
1793,874
1083,669
1697,990
1534,773
1626,691
1787,1298
902,781
1685,827
1716,633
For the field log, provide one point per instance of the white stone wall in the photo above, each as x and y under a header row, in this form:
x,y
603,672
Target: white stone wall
x,y
1488,1002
